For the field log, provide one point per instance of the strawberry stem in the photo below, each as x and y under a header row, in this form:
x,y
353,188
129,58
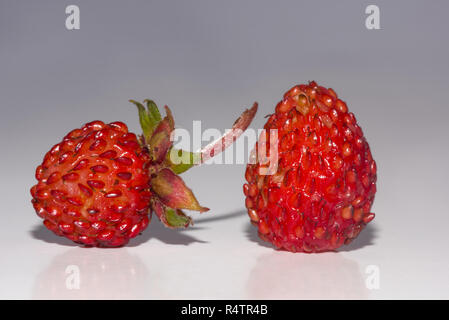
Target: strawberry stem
x,y
152,124
239,126
216,147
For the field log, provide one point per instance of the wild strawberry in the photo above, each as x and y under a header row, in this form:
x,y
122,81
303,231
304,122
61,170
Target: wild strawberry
x,y
321,194
99,186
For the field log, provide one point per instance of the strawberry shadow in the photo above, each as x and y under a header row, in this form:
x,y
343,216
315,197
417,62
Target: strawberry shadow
x,y
252,235
365,238
226,216
160,232
179,236
155,230
39,232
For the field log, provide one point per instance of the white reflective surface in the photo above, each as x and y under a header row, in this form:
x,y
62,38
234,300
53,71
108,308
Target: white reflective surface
x,y
219,258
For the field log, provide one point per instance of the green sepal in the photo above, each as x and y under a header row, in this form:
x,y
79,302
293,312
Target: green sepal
x,y
177,218
188,160
153,111
149,118
145,120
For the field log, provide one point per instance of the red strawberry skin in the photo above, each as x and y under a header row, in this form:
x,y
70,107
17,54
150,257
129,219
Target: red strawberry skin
x,y
93,187
321,195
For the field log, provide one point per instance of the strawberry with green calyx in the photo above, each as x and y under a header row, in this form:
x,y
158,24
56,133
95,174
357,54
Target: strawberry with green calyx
x,y
99,186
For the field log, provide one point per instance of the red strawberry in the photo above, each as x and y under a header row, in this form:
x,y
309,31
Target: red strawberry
x,y
99,185
321,195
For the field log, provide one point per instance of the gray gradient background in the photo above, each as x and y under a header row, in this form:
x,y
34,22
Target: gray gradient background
x,y
206,60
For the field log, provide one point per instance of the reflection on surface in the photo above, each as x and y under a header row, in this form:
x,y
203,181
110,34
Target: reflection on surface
x,y
285,275
82,273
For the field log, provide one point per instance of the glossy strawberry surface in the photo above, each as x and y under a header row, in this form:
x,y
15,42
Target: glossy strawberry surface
x,y
321,194
93,187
